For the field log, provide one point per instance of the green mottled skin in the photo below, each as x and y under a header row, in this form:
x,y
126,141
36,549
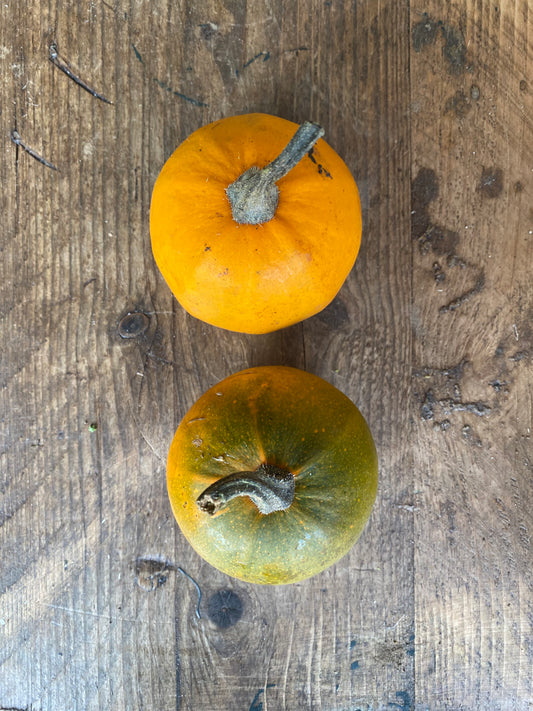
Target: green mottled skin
x,y
293,420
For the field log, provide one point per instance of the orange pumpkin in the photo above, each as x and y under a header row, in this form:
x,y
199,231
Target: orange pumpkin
x,y
255,223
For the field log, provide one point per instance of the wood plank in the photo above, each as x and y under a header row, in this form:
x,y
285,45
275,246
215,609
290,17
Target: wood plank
x,y
353,646
472,144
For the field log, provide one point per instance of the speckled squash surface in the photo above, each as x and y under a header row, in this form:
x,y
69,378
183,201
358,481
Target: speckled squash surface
x,y
253,278
293,420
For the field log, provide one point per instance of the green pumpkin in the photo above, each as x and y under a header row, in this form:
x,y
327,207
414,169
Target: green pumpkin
x,y
272,475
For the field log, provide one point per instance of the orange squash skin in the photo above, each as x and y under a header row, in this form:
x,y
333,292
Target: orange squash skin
x,y
253,278
291,419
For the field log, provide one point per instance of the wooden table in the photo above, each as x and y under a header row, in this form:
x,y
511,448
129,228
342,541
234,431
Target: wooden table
x,y
431,336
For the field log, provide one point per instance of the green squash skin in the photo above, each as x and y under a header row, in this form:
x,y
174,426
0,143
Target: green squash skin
x,y
294,420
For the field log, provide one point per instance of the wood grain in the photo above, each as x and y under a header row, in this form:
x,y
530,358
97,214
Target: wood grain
x,y
472,309
103,604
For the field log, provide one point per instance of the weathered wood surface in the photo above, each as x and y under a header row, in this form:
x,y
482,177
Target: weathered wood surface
x,y
432,109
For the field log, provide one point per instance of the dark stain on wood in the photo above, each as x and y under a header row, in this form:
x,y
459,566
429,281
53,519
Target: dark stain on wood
x,y
335,315
499,386
390,654
438,273
151,573
518,356
459,104
442,426
491,182
208,30
405,701
410,647
440,240
449,405
458,301
454,49
479,408
470,436
424,189
452,372
425,33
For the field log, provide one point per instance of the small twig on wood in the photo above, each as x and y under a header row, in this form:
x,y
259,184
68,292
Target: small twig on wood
x,y
17,140
63,66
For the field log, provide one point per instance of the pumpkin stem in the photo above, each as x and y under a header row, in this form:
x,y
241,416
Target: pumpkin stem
x,y
254,195
270,488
